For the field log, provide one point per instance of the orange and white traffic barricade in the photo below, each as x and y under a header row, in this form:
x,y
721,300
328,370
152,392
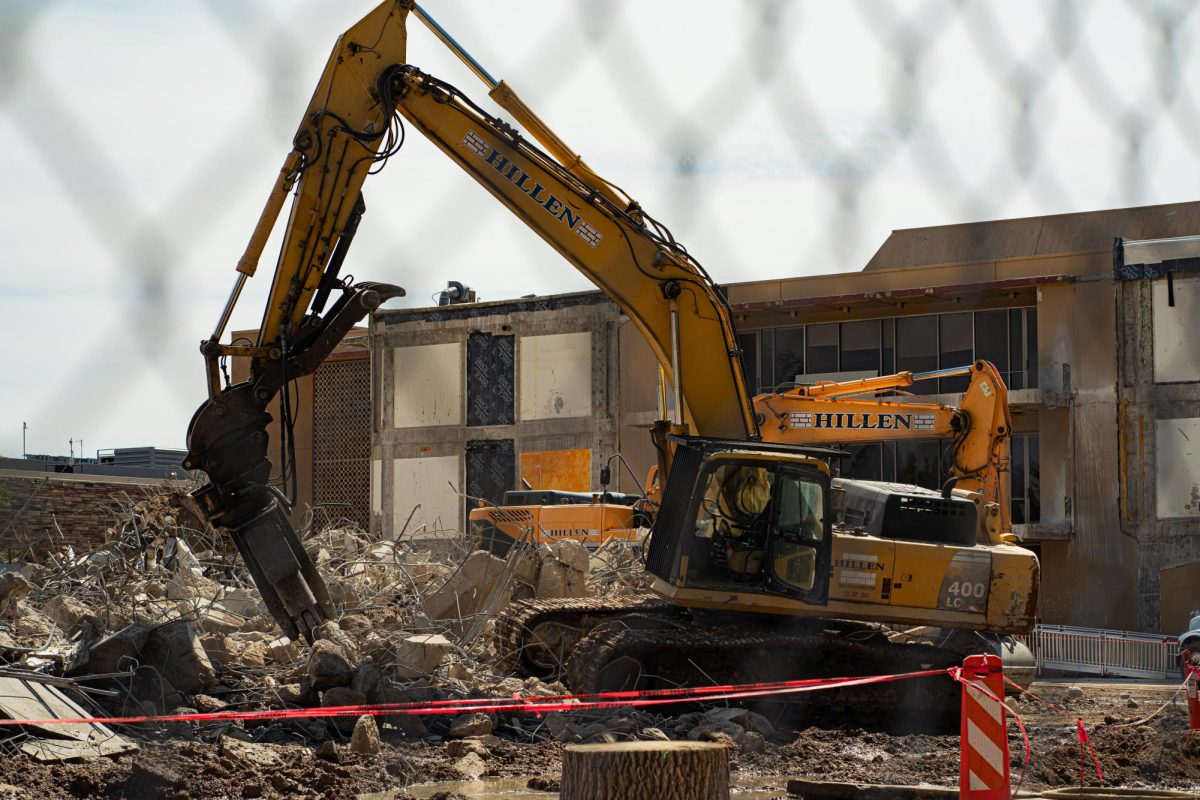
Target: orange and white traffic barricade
x,y
983,768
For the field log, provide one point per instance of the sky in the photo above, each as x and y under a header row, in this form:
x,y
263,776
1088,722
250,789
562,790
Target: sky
x,y
138,141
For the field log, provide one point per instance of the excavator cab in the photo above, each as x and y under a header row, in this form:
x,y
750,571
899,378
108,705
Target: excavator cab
x,y
745,517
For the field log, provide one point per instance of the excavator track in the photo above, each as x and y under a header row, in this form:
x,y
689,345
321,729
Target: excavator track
x,y
536,637
615,657
644,642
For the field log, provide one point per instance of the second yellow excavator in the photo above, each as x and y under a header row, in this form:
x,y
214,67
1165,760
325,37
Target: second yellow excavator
x,y
756,572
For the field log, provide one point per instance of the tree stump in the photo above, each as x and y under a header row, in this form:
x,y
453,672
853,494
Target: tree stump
x,y
646,771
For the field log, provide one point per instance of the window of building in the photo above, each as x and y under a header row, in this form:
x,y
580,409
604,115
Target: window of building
x,y
916,347
865,462
821,353
1026,484
1006,337
748,343
789,354
991,340
919,463
887,362
766,360
860,346
956,346
1031,348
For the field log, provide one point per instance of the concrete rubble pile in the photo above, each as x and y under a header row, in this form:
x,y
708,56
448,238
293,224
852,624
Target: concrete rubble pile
x,y
163,619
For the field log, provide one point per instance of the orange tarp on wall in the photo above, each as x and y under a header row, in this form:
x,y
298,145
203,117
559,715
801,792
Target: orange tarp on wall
x,y
566,470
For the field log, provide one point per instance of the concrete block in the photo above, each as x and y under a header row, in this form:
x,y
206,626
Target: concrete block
x,y
469,589
470,725
175,651
328,665
418,656
119,651
365,739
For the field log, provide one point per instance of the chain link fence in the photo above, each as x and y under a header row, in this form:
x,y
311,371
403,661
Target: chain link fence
x,y
775,137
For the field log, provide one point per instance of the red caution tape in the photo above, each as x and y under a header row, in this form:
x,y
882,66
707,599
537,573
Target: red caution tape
x,y
527,705
1085,741
1080,733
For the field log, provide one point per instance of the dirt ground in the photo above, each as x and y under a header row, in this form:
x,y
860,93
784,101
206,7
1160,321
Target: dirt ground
x,y
182,764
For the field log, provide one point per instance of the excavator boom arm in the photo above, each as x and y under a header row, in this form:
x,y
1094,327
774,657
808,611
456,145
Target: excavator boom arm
x,y
659,287
348,130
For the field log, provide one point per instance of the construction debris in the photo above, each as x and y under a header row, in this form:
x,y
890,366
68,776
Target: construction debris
x,y
34,700
162,618
166,613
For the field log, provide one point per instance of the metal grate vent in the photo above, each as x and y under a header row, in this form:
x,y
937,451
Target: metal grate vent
x,y
342,441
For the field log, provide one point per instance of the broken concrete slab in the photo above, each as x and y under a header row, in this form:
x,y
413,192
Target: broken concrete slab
x,y
457,748
27,700
328,751
743,718
717,730
418,656
556,579
753,743
258,757
328,665
340,696
210,617
175,651
284,651
74,617
470,766
13,587
243,603
572,553
469,590
119,651
366,678
206,704
466,725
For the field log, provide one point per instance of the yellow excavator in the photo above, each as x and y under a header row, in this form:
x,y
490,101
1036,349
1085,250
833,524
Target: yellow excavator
x,y
756,572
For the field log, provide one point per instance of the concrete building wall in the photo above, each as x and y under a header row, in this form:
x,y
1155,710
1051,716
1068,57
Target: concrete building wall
x,y
1116,388
1159,396
556,371
1086,575
470,399
42,513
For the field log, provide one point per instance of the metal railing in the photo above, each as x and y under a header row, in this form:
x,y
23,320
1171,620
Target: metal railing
x,y
1106,653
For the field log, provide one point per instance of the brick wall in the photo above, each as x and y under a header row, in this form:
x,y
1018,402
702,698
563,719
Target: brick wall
x,y
31,503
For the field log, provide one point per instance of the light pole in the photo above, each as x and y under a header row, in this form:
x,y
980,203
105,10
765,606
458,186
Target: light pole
x,y
24,427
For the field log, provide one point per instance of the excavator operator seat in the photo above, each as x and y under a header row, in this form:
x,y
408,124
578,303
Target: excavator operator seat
x,y
801,530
